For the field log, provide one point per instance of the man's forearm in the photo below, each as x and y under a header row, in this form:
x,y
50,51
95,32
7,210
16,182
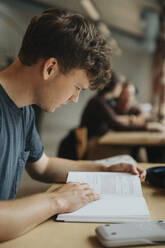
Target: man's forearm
x,y
20,216
58,168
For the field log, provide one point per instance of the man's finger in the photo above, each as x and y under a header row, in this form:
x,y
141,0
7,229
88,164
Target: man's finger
x,y
93,197
142,172
133,170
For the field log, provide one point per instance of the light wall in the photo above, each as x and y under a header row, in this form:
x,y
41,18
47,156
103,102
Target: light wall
x,y
136,65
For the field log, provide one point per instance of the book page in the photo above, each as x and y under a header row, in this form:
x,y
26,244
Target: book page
x,y
118,184
117,160
110,208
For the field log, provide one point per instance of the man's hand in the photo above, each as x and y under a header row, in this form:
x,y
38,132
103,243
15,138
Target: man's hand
x,y
155,126
73,196
130,168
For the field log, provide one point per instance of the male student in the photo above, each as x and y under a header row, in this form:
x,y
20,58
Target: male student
x,y
61,54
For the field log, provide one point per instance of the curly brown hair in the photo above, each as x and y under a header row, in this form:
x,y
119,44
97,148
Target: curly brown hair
x,y
72,40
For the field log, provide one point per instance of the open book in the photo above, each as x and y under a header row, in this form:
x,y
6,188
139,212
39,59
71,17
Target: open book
x,y
121,198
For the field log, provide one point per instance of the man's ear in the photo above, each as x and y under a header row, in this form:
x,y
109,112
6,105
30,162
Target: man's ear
x,y
50,68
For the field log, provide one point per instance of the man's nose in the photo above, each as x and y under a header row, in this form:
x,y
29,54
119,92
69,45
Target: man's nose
x,y
75,98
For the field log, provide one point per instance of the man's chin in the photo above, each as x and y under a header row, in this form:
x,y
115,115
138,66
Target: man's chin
x,y
52,110
49,110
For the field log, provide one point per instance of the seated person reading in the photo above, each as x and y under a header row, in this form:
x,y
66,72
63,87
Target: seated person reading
x,y
55,62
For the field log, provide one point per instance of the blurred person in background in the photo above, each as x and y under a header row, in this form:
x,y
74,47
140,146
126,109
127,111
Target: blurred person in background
x,y
128,106
134,113
115,108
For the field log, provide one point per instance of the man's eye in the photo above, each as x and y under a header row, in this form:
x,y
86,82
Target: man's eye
x,y
77,88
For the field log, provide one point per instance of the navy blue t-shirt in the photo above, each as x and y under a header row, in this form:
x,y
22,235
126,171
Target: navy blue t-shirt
x,y
19,144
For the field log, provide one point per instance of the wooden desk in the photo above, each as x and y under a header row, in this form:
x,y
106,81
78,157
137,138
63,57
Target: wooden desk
x,y
113,143
81,235
133,138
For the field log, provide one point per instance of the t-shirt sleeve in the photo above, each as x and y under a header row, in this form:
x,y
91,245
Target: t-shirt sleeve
x,y
33,143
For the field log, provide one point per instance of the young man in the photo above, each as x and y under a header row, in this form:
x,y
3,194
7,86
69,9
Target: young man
x,y
61,55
